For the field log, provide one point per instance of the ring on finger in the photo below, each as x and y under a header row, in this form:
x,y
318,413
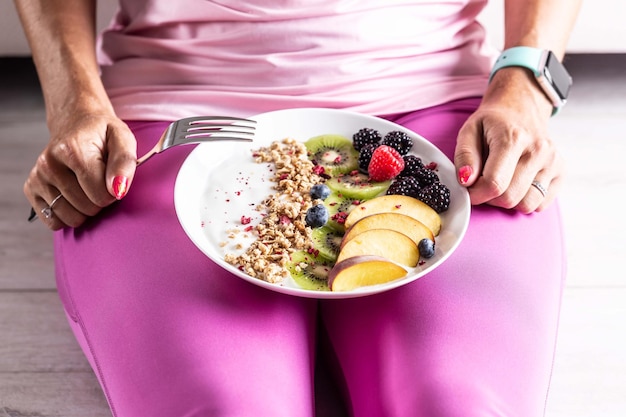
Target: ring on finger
x,y
47,211
539,186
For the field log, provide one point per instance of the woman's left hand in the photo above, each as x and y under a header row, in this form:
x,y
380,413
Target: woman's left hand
x,y
504,155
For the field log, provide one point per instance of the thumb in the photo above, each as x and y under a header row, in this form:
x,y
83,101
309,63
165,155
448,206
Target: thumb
x,y
468,155
121,160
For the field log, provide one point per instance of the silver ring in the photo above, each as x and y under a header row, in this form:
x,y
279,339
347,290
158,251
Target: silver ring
x,y
543,190
47,211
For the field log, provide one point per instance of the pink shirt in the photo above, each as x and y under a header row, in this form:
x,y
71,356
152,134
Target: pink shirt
x,y
163,60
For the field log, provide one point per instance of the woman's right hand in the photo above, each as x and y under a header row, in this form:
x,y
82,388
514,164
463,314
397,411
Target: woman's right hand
x,y
90,160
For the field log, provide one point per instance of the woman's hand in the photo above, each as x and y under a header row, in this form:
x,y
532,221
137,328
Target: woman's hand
x,y
504,146
91,157
90,160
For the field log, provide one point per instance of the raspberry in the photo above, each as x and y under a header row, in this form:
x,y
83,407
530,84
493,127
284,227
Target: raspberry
x,y
386,164
365,156
436,195
412,164
340,217
426,177
318,169
404,186
398,140
365,136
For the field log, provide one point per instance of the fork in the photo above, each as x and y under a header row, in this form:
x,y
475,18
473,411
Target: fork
x,y
193,130
202,129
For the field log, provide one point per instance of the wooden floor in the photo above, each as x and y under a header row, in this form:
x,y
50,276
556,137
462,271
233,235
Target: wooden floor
x,y
43,373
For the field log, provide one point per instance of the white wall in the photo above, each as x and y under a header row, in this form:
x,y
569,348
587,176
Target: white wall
x,y
600,27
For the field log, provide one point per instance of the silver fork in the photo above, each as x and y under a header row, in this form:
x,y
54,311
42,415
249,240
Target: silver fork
x,y
202,129
190,130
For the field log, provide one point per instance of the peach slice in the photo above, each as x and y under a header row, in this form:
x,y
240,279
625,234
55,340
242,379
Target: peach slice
x,y
389,244
365,270
402,223
397,204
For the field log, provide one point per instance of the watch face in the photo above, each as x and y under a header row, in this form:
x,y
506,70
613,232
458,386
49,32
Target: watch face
x,y
557,75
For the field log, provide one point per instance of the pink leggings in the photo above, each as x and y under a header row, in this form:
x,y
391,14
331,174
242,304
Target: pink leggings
x,y
170,334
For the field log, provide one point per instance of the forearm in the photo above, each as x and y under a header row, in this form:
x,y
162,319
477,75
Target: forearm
x,y
62,34
544,24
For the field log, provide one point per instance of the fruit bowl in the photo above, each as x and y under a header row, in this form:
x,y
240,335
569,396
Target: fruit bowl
x,y
219,186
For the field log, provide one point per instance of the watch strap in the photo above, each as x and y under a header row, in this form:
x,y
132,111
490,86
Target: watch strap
x,y
519,56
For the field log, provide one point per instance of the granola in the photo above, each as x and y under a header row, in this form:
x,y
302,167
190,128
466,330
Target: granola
x,y
283,229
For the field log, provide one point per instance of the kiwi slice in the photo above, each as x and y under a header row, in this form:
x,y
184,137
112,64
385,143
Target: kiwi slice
x,y
338,207
327,241
333,152
309,272
357,185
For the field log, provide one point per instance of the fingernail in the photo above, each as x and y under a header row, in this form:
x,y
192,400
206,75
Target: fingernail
x,y
464,174
120,186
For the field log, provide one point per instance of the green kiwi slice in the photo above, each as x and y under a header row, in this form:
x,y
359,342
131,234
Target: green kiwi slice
x,y
357,185
308,271
327,241
338,207
333,152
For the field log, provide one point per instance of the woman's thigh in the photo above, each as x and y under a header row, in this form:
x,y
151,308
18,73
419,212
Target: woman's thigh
x,y
167,331
476,336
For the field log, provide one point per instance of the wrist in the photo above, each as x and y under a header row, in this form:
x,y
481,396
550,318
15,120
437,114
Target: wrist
x,y
515,87
76,100
547,71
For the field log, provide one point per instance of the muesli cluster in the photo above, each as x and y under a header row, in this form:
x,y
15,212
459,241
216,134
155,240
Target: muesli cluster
x,y
283,229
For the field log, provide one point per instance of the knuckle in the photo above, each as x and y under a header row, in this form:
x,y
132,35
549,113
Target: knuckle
x,y
52,223
44,165
545,148
516,137
75,219
524,207
93,210
71,156
463,153
55,226
495,187
507,201
28,186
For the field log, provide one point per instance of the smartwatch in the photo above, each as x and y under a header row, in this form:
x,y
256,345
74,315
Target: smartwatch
x,y
550,74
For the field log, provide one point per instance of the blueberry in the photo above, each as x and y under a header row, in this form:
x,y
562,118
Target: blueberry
x,y
316,216
427,248
320,192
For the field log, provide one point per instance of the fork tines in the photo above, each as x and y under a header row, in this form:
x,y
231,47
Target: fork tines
x,y
202,126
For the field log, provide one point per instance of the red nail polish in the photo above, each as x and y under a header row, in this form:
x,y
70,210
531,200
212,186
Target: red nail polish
x,y
120,186
464,174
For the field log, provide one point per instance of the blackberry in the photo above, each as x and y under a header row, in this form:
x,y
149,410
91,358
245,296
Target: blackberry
x,y
365,156
412,164
404,186
398,140
436,195
426,177
365,136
